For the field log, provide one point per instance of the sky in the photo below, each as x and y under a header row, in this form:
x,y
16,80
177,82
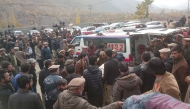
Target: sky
x,y
171,3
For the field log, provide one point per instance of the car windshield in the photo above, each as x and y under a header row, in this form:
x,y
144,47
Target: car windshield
x,y
99,28
84,29
18,33
114,24
152,23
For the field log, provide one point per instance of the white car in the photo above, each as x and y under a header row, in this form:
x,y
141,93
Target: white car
x,y
101,29
154,23
132,23
34,31
17,33
115,25
48,30
76,27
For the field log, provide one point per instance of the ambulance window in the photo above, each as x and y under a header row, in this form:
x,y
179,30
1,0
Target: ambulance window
x,y
76,41
96,41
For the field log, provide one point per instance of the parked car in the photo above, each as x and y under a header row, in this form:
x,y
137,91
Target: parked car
x,y
100,29
142,26
17,33
48,30
100,24
88,30
154,23
34,31
115,25
131,23
76,27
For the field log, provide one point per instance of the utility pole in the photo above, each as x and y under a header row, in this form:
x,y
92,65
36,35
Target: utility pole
x,y
90,8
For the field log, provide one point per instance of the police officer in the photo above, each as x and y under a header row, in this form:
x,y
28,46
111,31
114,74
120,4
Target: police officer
x,y
50,83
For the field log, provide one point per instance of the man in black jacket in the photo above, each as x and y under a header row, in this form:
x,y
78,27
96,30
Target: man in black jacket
x,y
54,47
183,20
111,72
186,50
42,75
168,61
93,84
9,45
32,71
6,89
60,61
157,46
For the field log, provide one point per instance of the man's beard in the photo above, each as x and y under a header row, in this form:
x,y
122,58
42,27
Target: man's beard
x,y
30,87
7,81
185,46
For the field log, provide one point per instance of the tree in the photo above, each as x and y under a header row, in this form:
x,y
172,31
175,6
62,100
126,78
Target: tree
x,y
143,9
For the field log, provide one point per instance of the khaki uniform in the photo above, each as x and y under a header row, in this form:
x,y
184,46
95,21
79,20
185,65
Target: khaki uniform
x,y
69,100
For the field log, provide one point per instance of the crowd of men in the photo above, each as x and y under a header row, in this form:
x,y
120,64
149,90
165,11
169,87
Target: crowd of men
x,y
67,82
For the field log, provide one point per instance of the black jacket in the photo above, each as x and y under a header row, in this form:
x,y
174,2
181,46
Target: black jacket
x,y
186,55
5,92
168,64
42,75
32,45
93,84
9,45
125,86
54,44
33,72
71,76
156,50
147,78
111,71
25,99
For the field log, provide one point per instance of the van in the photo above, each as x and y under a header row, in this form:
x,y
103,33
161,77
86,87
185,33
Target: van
x,y
131,46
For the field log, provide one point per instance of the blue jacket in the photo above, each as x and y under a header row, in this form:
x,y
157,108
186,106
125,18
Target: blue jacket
x,y
46,53
50,82
93,84
15,82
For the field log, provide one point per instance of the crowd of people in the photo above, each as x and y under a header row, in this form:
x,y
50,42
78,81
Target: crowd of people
x,y
67,82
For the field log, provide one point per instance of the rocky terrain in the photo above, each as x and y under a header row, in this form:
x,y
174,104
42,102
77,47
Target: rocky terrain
x,y
48,12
